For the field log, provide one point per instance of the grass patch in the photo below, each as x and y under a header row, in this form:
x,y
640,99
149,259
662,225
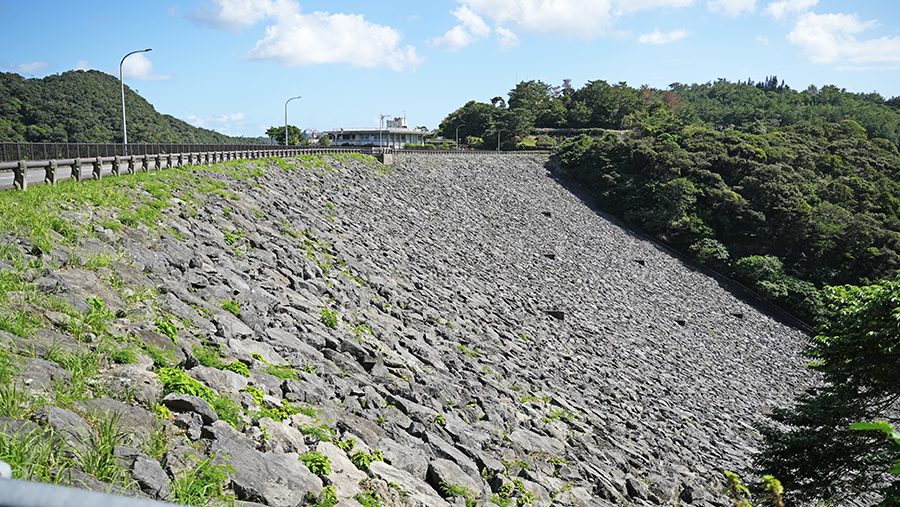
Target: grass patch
x,y
231,306
456,490
34,456
18,322
97,457
466,351
202,485
212,357
175,380
282,372
96,262
369,499
320,431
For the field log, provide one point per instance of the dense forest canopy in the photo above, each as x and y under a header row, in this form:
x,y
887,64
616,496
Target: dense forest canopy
x,y
720,104
85,107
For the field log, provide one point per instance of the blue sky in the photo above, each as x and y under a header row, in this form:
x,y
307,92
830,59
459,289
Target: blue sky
x,y
230,64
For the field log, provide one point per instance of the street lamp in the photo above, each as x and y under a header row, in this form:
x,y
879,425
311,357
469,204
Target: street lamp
x,y
122,83
285,119
498,140
457,134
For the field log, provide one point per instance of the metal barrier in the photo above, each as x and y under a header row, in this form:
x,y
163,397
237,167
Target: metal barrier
x,y
16,493
54,167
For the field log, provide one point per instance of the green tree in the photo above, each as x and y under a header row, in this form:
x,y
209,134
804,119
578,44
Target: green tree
x,y
812,449
295,135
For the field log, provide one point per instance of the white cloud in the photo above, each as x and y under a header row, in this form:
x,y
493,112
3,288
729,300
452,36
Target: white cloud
x,y
833,39
657,37
83,65
294,38
226,123
471,28
237,14
507,37
629,6
784,8
28,67
320,37
732,8
138,66
577,18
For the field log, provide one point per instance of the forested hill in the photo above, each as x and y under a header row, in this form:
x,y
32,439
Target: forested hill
x,y
85,107
786,191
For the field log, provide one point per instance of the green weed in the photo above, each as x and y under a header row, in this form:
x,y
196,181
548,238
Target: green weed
x,y
231,306
316,462
96,456
202,485
34,456
329,317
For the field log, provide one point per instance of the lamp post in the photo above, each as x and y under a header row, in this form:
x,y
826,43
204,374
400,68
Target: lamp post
x,y
498,140
457,134
285,119
122,83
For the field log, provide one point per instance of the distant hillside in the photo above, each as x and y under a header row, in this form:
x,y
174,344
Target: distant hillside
x,y
85,107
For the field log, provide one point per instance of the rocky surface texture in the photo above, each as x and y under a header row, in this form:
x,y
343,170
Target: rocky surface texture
x,y
451,330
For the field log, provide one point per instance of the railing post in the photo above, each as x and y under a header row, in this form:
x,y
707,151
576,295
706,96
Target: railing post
x,y
157,162
181,160
20,178
170,162
76,169
117,160
50,173
145,163
131,164
98,167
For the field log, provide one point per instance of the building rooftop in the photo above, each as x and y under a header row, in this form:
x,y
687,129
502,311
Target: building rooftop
x,y
377,130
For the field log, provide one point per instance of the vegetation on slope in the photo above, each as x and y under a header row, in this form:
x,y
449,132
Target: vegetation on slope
x,y
43,232
85,107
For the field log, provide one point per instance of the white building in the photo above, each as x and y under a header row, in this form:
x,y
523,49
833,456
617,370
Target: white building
x,y
396,135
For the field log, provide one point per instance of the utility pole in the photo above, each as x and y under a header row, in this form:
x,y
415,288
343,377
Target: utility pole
x,y
457,134
285,119
498,140
122,83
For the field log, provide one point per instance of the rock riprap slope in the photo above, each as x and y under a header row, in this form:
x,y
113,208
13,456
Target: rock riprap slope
x,y
325,330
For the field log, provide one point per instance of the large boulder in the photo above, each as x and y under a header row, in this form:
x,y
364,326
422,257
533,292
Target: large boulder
x,y
279,480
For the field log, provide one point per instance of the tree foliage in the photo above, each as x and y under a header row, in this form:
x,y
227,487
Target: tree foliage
x,y
816,449
295,135
785,209
85,107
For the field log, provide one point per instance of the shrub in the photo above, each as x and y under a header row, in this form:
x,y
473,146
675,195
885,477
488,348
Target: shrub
x,y
329,317
316,462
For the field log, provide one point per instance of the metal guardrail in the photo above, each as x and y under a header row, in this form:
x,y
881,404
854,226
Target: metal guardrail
x,y
48,151
54,166
16,493
12,152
